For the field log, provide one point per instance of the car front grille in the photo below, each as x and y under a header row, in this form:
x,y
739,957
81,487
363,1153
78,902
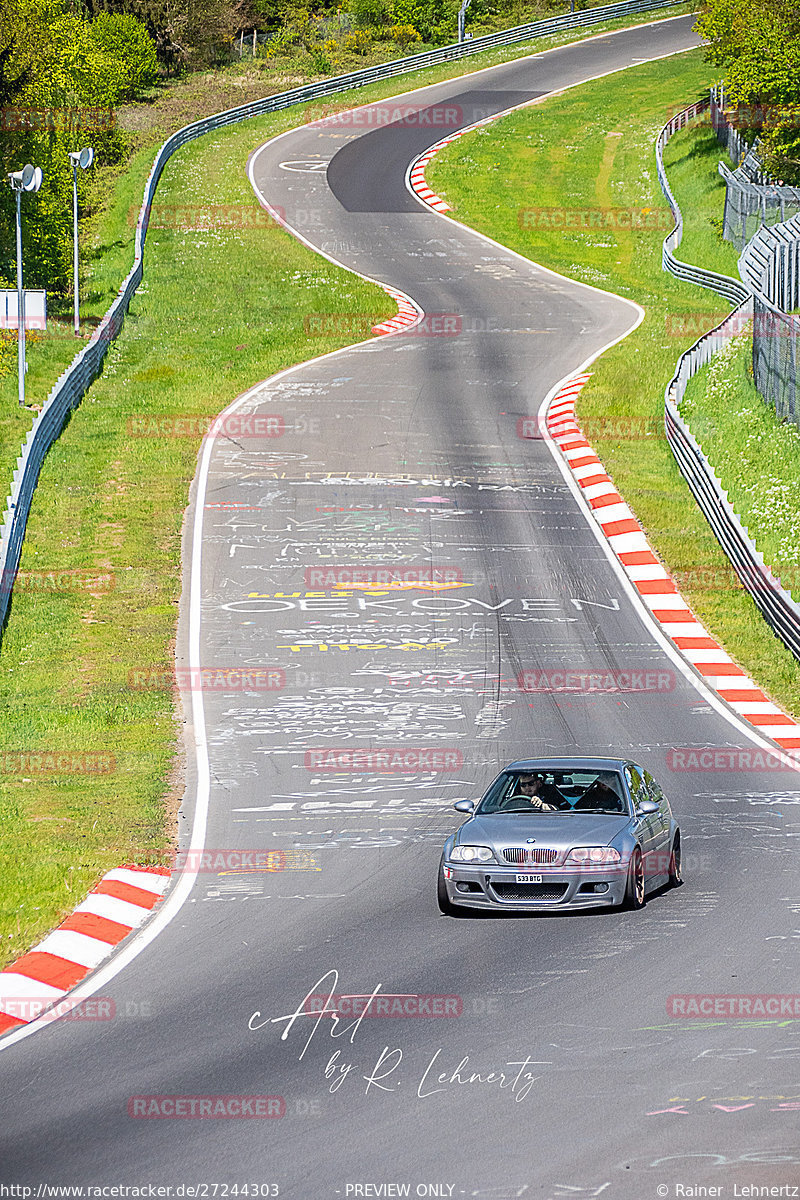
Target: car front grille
x,y
523,855
529,891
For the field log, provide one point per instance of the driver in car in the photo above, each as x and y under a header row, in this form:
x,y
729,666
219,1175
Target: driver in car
x,y
542,795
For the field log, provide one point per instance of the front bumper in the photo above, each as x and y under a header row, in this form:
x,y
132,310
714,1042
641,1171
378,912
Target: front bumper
x,y
493,886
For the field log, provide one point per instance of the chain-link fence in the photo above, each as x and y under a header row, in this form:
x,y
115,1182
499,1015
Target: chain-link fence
x,y
762,218
727,134
770,266
752,197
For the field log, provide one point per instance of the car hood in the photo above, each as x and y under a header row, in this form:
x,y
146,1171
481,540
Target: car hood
x,y
555,830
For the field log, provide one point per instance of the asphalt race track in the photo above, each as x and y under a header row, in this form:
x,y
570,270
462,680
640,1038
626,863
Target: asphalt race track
x,y
400,453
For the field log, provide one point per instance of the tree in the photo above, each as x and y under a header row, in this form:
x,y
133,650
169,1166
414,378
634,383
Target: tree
x,y
129,46
185,32
757,43
60,79
435,20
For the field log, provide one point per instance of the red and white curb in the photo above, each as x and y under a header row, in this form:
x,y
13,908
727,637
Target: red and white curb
x,y
41,978
416,172
416,176
654,584
407,313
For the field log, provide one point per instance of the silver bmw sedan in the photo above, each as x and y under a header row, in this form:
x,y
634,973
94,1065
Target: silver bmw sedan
x,y
562,833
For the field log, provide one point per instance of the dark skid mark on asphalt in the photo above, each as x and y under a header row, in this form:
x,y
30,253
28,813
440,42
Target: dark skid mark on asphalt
x,y
387,152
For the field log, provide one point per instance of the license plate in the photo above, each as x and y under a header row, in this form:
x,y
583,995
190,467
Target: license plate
x,y
529,879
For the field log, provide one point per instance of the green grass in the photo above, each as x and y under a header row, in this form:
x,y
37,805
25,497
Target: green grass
x,y
691,159
109,504
756,457
592,149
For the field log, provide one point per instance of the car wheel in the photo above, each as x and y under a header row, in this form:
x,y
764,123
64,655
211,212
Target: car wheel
x,y
675,861
634,890
445,904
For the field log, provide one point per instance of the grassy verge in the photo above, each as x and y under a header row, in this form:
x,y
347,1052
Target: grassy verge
x,y
109,506
691,159
592,150
756,457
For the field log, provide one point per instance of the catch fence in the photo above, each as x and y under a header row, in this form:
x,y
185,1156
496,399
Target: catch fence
x,y
752,197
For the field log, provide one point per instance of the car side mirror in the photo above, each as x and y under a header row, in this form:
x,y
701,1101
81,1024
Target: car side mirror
x,y
646,808
465,806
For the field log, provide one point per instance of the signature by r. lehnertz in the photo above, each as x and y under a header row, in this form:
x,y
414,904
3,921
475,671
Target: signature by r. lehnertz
x,y
385,1073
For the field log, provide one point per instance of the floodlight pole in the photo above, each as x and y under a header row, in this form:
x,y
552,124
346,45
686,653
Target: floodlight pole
x,y
83,159
77,304
462,19
21,364
29,179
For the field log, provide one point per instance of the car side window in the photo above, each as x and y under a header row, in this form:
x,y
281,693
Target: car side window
x,y
636,784
657,794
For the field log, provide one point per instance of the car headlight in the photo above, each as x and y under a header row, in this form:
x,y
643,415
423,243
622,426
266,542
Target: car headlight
x,y
595,856
471,854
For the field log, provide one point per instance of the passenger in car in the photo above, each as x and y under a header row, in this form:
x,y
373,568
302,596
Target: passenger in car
x,y
599,797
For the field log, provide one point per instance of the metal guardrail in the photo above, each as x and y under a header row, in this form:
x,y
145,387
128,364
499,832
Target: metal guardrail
x,y
733,291
86,366
776,605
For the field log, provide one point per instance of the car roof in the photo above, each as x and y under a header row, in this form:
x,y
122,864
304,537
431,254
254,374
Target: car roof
x,y
574,762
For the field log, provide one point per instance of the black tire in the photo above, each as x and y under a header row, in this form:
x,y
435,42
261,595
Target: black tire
x,y
445,906
634,888
676,861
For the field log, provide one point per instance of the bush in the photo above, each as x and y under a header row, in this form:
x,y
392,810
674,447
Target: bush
x,y
757,42
130,48
371,14
60,67
319,61
358,42
404,35
435,20
8,352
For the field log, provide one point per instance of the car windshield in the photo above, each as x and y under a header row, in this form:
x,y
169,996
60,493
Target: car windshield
x,y
598,792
